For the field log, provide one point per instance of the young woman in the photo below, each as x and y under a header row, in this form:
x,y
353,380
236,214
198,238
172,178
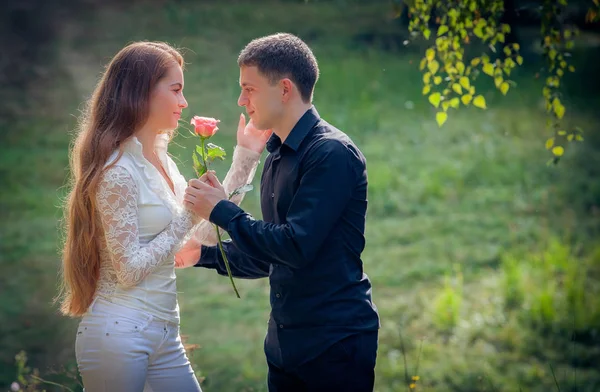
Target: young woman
x,y
125,221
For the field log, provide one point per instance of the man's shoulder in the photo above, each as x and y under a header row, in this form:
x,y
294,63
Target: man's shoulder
x,y
329,138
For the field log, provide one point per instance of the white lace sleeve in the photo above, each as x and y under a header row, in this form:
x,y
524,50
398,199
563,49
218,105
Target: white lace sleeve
x,y
242,171
117,206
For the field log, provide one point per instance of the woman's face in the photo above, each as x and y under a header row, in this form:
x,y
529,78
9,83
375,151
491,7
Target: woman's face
x,y
167,100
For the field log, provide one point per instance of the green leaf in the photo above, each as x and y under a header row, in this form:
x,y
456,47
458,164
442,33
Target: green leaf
x,y
437,80
516,46
479,102
507,50
571,68
215,152
579,138
546,92
457,89
558,107
429,54
199,168
200,152
504,88
441,118
426,89
509,63
460,67
443,29
520,60
426,33
475,61
488,68
466,99
549,143
455,102
445,105
478,31
433,66
558,151
464,81
434,99
427,78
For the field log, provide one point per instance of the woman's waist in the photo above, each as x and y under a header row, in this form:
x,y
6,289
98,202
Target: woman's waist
x,y
163,307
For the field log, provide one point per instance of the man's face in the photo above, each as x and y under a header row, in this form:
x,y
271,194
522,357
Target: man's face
x,y
262,100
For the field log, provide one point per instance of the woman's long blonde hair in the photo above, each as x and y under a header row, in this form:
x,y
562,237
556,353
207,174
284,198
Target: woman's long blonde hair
x,y
116,109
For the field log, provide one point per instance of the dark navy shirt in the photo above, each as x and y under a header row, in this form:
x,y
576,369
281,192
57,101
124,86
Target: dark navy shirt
x,y
314,204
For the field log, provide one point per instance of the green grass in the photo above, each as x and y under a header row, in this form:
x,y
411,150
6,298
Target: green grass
x,y
466,195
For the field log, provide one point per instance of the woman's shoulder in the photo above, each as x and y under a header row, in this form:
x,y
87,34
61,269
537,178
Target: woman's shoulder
x,y
120,164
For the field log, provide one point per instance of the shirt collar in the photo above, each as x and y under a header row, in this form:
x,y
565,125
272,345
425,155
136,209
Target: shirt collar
x,y
134,146
298,133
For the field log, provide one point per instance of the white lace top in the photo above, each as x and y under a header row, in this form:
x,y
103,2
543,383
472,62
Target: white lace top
x,y
145,223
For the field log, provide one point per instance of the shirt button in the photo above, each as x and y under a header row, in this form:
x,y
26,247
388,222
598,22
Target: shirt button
x,y
272,195
280,326
278,295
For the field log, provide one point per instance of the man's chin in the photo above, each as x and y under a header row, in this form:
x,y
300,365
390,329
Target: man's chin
x,y
261,127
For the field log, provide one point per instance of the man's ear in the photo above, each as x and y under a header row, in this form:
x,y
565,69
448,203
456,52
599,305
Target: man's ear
x,y
287,88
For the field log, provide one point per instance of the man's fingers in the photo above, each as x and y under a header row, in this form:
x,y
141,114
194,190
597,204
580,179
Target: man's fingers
x,y
212,177
215,182
199,183
189,198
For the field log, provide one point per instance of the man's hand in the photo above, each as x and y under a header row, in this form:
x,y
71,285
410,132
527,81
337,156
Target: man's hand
x,y
250,137
203,194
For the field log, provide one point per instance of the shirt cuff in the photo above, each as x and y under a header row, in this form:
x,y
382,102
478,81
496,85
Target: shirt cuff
x,y
223,213
246,152
207,256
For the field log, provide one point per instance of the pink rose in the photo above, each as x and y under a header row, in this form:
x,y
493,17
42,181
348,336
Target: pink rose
x,y
205,126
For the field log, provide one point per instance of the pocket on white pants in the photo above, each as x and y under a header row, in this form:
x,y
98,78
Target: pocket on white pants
x,y
119,325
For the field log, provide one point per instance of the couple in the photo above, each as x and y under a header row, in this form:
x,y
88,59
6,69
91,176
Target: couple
x,y
132,219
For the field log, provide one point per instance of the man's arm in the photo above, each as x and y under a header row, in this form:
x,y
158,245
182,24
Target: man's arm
x,y
329,176
241,265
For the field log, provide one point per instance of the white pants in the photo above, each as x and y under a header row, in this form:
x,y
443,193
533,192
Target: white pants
x,y
122,349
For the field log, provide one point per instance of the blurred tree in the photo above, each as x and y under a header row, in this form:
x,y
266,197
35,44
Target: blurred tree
x,y
448,70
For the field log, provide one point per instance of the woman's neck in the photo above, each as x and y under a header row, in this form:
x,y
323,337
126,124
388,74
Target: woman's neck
x,y
148,140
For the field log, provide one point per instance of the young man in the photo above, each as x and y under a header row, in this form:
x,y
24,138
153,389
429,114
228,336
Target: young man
x,y
323,330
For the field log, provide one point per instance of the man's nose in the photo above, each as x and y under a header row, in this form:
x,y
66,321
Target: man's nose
x,y
242,100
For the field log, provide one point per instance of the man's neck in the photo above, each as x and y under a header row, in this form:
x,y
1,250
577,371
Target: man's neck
x,y
288,123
